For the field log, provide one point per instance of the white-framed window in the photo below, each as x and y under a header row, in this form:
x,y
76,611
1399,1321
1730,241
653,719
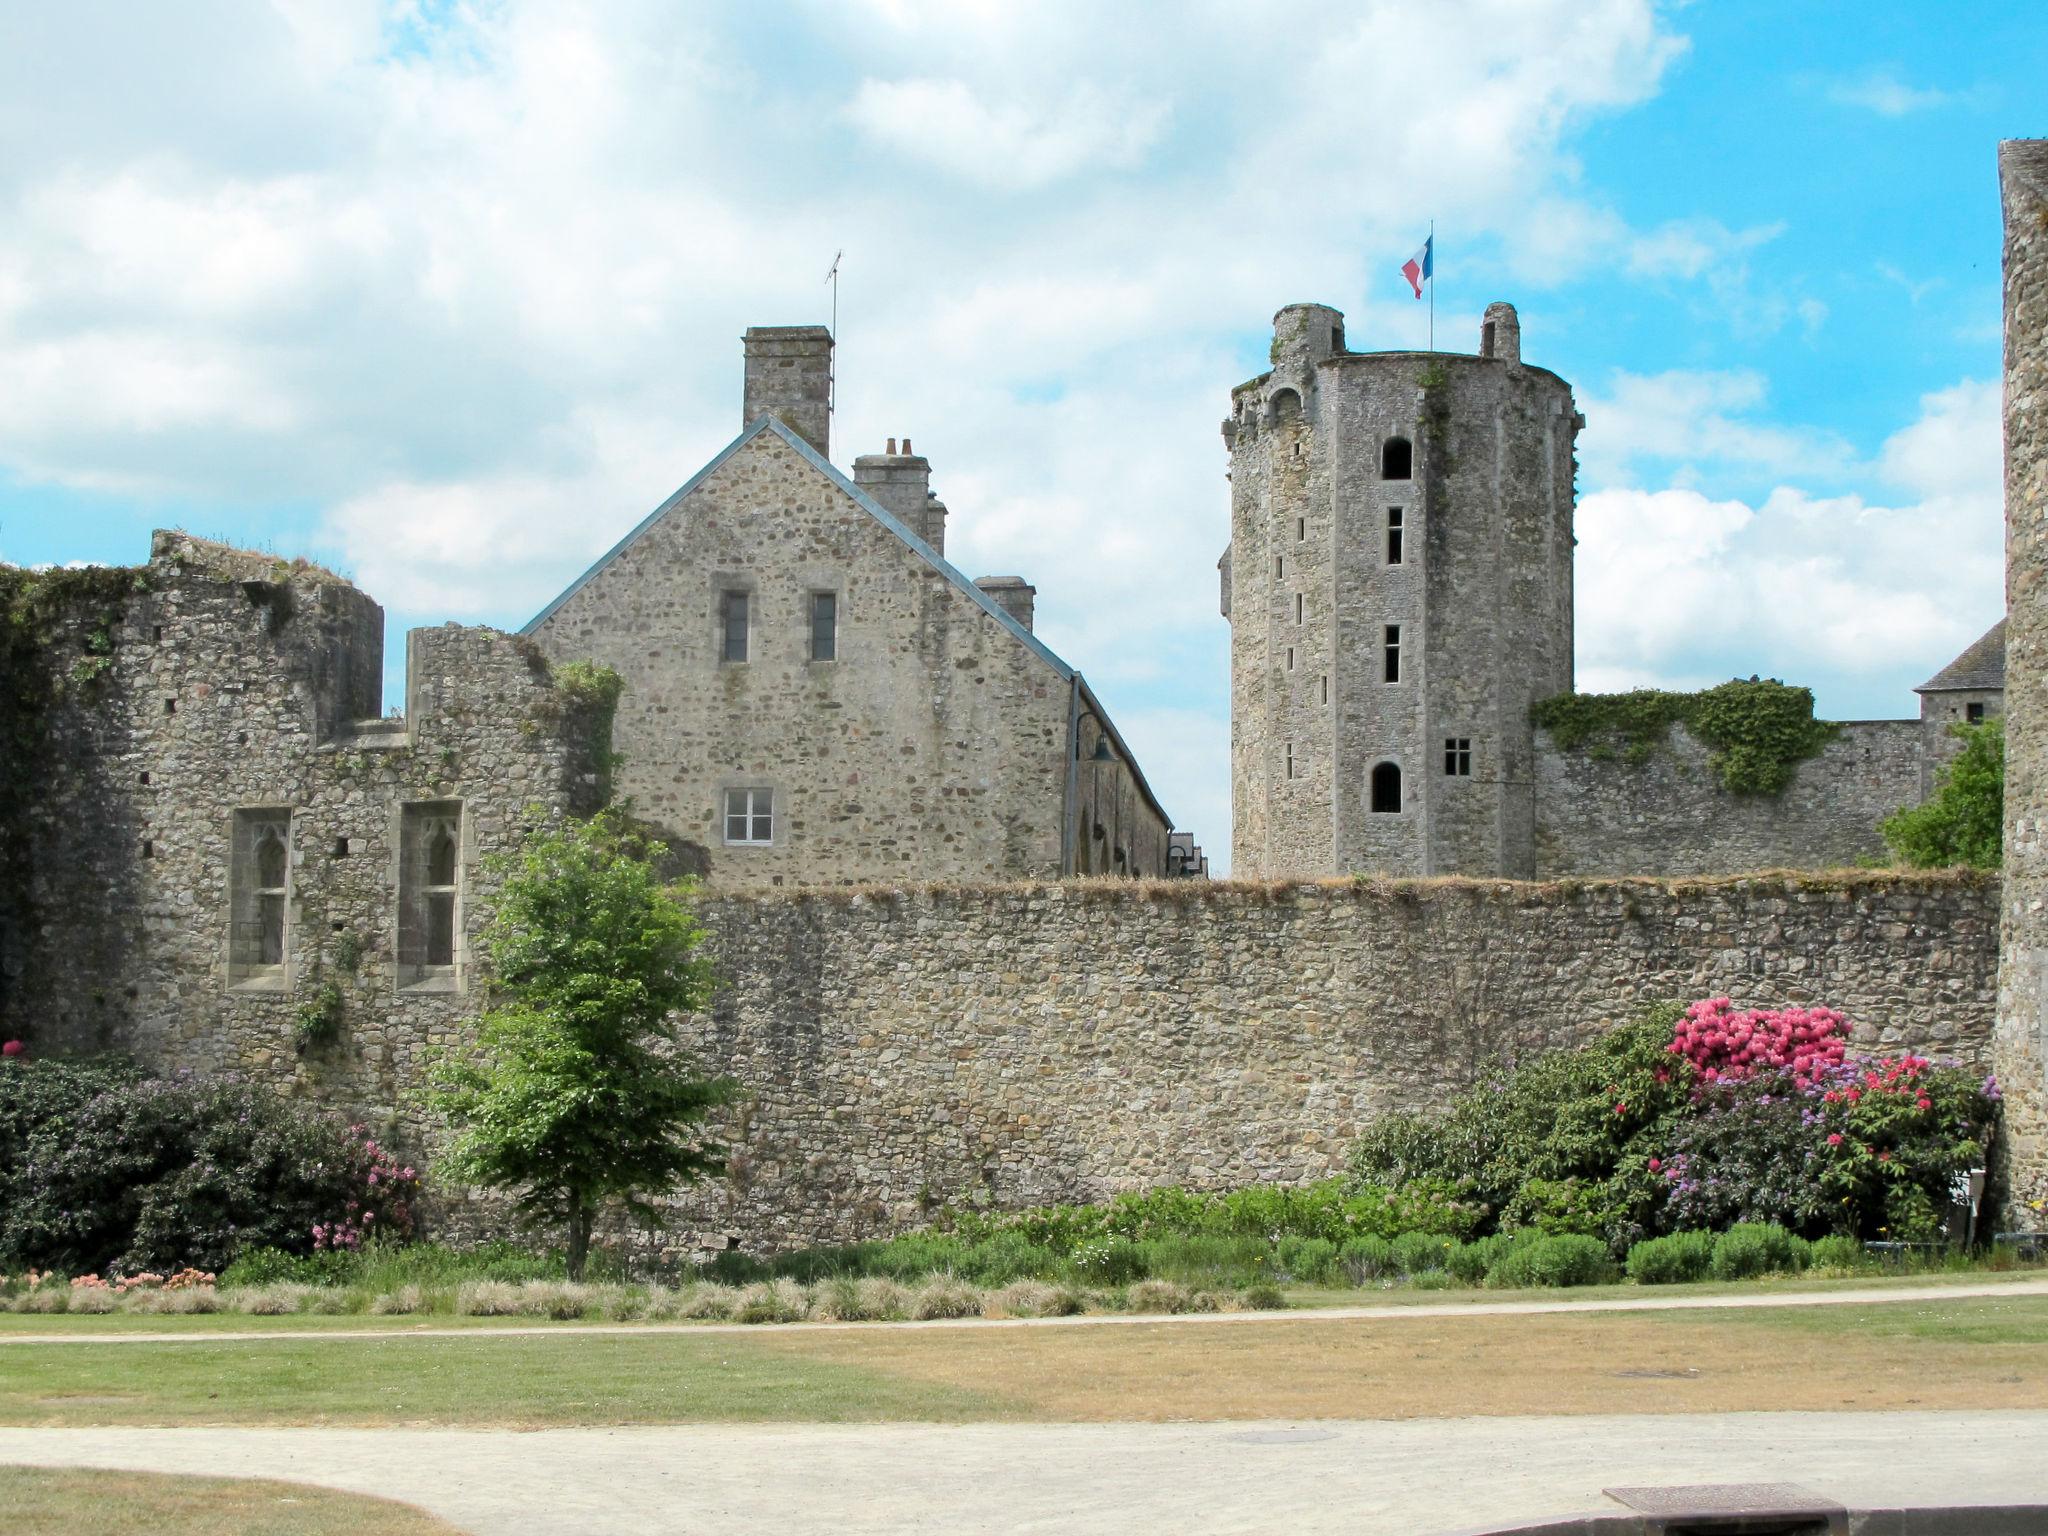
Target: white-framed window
x,y
429,891
824,626
259,894
749,818
733,604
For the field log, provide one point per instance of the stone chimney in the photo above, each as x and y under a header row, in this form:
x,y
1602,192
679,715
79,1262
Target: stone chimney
x,y
1500,333
1013,593
901,484
789,376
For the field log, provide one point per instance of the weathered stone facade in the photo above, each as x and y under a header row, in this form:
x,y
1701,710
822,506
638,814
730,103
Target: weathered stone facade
x,y
1058,1042
1399,588
1669,814
226,706
1400,580
2022,1039
794,640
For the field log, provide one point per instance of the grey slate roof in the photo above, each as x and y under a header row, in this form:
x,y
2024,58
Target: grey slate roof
x,y
1979,669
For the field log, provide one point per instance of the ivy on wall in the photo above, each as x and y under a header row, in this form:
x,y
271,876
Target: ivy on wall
x,y
1758,731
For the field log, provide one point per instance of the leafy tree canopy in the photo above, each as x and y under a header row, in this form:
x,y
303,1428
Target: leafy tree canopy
x,y
1964,822
575,1092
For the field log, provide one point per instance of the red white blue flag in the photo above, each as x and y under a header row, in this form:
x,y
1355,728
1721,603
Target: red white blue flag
x,y
1420,267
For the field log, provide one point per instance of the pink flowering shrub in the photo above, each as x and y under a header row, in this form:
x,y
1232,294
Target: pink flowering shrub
x,y
1726,1046
379,1205
12,1048
1865,1147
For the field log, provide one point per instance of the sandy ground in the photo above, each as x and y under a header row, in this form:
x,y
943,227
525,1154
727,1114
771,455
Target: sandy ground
x,y
1419,1477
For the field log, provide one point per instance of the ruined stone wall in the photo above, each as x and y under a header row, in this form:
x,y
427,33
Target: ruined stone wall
x,y
933,746
2022,1041
1668,815
229,683
1025,1044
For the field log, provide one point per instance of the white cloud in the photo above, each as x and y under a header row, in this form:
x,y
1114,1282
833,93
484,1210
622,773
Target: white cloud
x,y
1688,248
1801,586
1883,92
1659,425
946,123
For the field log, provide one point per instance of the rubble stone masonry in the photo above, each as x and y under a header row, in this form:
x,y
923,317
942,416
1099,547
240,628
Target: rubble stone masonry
x,y
2022,1037
1024,1044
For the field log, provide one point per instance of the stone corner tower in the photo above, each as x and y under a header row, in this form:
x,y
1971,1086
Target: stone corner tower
x,y
1399,590
2020,1040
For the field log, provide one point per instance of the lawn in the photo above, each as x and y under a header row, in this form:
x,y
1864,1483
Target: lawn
x,y
61,1501
1964,1353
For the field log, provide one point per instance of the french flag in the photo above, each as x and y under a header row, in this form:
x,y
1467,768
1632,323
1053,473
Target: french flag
x,y
1420,267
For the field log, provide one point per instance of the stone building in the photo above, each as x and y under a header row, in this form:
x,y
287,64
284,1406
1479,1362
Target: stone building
x,y
1399,589
814,695
213,841
2020,1042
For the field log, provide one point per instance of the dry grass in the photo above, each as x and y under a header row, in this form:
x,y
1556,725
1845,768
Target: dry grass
x,y
61,1501
1980,1352
1964,1354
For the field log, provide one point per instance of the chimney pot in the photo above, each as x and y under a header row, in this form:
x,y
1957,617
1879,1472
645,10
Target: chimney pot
x,y
892,447
906,448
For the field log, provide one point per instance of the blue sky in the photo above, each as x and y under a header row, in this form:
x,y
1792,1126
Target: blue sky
x,y
448,295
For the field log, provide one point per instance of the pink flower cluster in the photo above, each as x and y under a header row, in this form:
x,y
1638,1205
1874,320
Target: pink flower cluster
x,y
184,1280
385,1205
12,1048
1726,1046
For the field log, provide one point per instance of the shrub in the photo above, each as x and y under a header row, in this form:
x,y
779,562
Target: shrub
x,y
561,1300
1108,1261
1158,1296
1416,1253
1262,1298
1724,1045
708,1303
1964,822
884,1300
1755,1248
1035,1298
274,1266
1836,1252
1672,1260
771,1301
487,1298
1578,1118
1308,1260
1368,1258
943,1296
155,1173
1568,1259
399,1303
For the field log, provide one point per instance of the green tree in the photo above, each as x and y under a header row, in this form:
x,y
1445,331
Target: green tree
x,y
1964,822
575,1092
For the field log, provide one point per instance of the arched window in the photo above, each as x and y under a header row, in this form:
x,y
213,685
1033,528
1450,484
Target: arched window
x,y
1285,405
1397,459
1386,787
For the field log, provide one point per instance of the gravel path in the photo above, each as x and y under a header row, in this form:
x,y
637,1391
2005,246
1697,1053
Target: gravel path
x,y
2028,1285
1415,1478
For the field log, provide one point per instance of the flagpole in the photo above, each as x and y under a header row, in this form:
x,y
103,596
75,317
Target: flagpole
x,y
1432,284
832,381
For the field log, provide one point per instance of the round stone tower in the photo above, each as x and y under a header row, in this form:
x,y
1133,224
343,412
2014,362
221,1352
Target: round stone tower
x,y
1399,589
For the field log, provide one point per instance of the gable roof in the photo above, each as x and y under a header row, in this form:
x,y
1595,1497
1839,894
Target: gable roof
x,y
874,509
1981,668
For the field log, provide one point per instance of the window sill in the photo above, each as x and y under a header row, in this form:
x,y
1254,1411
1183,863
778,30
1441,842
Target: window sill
x,y
273,982
433,981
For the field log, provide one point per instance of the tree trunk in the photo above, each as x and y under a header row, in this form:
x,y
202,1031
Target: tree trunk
x,y
579,1238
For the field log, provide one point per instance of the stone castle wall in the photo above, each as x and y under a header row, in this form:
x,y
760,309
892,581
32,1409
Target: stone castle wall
x,y
2022,1042
1026,1044
223,681
1668,815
